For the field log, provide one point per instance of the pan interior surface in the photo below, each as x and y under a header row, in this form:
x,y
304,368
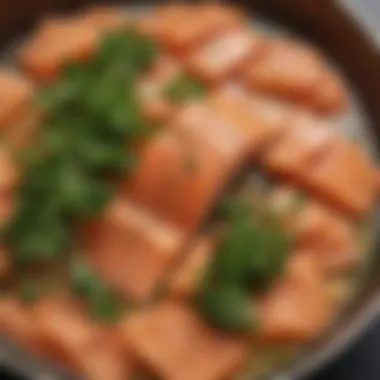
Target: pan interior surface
x,y
356,126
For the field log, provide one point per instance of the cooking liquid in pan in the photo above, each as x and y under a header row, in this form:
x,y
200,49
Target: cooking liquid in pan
x,y
265,355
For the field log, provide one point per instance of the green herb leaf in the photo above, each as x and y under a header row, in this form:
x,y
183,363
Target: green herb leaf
x,y
227,308
103,304
92,117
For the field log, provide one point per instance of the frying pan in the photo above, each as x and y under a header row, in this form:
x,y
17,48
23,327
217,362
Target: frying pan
x,y
330,25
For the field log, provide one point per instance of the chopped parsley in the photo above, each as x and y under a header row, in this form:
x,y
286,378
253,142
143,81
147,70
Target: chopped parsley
x,y
250,255
92,120
103,304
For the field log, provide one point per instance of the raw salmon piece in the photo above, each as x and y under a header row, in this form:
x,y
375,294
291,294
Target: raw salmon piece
x,y
55,43
17,324
183,27
131,249
261,122
151,89
329,235
288,70
147,23
177,345
92,350
207,126
186,277
330,94
24,129
105,18
15,94
178,178
346,178
5,265
301,148
224,55
275,115
297,308
159,22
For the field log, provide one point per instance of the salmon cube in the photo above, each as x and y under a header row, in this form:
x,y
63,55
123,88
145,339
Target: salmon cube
x,y
183,27
131,249
148,24
208,126
330,95
300,148
224,55
297,308
179,177
177,345
15,95
329,235
92,350
16,323
297,73
105,18
287,69
274,115
260,121
346,178
55,43
151,89
187,276
24,129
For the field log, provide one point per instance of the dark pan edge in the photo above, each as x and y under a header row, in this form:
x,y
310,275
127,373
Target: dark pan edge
x,y
364,71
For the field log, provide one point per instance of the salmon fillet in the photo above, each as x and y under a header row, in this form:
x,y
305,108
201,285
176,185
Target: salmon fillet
x,y
15,95
178,178
330,95
56,42
317,159
176,344
297,308
183,27
224,55
296,72
94,351
16,323
353,190
330,237
319,230
260,120
301,148
314,157
209,126
25,129
104,18
131,249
